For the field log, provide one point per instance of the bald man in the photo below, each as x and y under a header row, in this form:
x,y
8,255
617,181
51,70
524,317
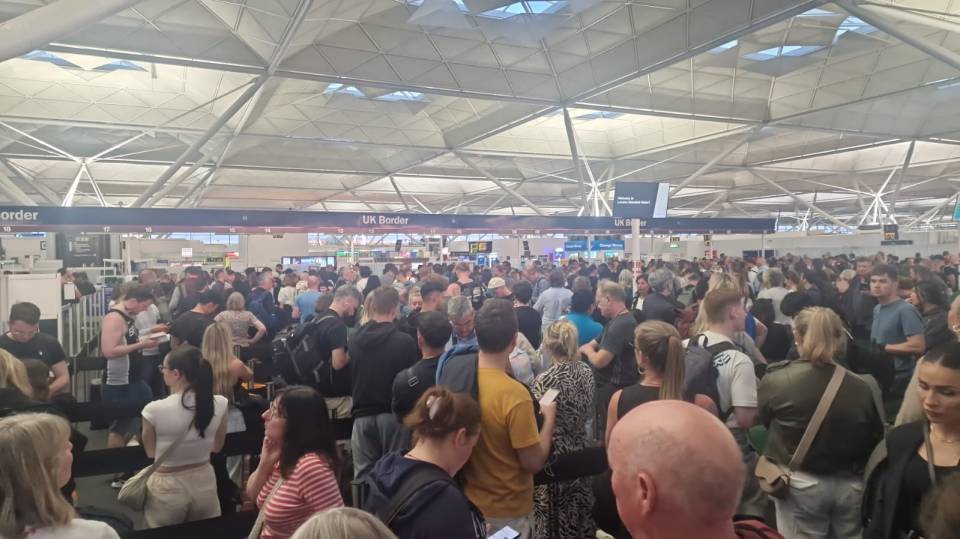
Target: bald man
x,y
305,305
678,472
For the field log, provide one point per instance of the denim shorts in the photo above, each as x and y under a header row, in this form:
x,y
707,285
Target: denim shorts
x,y
135,392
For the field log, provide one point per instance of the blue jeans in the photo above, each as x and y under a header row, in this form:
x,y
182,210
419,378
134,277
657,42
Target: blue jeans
x,y
135,392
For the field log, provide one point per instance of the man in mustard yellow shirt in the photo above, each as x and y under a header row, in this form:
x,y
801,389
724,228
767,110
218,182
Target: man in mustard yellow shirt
x,y
499,474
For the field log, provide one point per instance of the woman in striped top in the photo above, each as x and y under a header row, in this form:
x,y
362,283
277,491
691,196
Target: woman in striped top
x,y
299,452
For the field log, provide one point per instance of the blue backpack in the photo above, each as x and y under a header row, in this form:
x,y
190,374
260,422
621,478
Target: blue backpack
x,y
270,319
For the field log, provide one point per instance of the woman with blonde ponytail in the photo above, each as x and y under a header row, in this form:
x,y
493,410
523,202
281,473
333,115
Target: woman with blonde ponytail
x,y
661,359
564,510
662,362
825,490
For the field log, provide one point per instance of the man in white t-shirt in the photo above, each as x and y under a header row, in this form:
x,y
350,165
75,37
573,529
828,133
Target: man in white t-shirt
x,y
736,385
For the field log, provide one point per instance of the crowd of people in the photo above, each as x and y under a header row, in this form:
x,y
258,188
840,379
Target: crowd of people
x,y
793,397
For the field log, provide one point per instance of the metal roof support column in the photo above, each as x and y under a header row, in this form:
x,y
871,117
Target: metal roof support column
x,y
720,198
574,154
933,211
887,26
799,200
68,199
12,190
175,182
279,53
905,15
469,162
400,196
713,162
203,139
193,190
36,28
903,172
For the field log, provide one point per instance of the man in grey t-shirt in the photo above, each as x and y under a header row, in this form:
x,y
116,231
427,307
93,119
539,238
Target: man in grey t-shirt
x,y
897,328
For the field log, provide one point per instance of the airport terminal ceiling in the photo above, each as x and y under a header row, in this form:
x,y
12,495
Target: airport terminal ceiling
x,y
828,115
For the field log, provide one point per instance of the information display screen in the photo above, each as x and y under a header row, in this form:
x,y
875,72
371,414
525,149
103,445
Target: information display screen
x,y
480,247
642,200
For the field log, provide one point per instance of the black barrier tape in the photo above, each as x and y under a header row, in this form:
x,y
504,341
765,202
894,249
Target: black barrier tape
x,y
235,526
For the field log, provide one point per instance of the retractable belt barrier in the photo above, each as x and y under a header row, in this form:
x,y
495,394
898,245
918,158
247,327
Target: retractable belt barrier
x,y
128,459
235,526
578,464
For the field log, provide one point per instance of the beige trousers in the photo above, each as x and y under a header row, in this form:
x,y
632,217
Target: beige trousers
x,y
178,497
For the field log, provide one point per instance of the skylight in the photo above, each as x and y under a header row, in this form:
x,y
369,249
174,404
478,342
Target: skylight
x,y
532,7
59,61
786,50
817,12
50,58
853,24
529,7
337,88
119,65
725,47
400,95
599,115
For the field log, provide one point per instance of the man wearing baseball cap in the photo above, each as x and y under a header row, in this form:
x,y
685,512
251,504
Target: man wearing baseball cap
x,y
497,288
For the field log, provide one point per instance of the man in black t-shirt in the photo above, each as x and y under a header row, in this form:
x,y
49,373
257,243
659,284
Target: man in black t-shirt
x,y
25,341
433,332
189,327
377,352
529,320
333,376
611,354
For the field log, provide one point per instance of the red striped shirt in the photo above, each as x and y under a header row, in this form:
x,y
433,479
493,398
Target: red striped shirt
x,y
311,488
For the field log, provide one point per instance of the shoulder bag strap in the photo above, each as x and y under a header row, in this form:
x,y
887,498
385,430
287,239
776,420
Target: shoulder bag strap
x,y
818,416
262,514
169,451
929,447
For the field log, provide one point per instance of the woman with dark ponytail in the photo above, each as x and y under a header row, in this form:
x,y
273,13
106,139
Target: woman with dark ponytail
x,y
184,488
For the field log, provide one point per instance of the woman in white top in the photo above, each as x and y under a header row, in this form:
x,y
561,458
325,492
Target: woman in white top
x,y
35,463
241,320
288,293
184,488
774,290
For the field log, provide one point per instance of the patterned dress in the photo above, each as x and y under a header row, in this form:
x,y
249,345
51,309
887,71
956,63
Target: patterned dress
x,y
565,510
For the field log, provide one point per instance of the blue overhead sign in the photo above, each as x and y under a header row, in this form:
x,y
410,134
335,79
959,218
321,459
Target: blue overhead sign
x,y
140,220
607,245
575,245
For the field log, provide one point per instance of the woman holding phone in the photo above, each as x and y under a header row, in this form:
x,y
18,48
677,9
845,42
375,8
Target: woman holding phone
x,y
565,509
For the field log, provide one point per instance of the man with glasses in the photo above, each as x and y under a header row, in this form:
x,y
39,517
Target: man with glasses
x,y
24,341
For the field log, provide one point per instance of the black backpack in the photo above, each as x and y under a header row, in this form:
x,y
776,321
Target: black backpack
x,y
295,352
475,292
702,373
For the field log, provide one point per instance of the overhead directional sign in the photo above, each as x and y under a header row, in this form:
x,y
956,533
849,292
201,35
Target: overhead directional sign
x,y
143,220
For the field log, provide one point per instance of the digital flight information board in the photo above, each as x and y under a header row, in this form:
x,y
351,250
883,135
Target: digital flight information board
x,y
643,200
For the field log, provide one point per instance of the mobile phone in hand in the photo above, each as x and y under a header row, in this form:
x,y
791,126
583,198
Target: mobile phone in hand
x,y
549,396
505,533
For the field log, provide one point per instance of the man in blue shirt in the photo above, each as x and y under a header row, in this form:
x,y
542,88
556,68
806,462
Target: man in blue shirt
x,y
897,327
581,306
306,303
